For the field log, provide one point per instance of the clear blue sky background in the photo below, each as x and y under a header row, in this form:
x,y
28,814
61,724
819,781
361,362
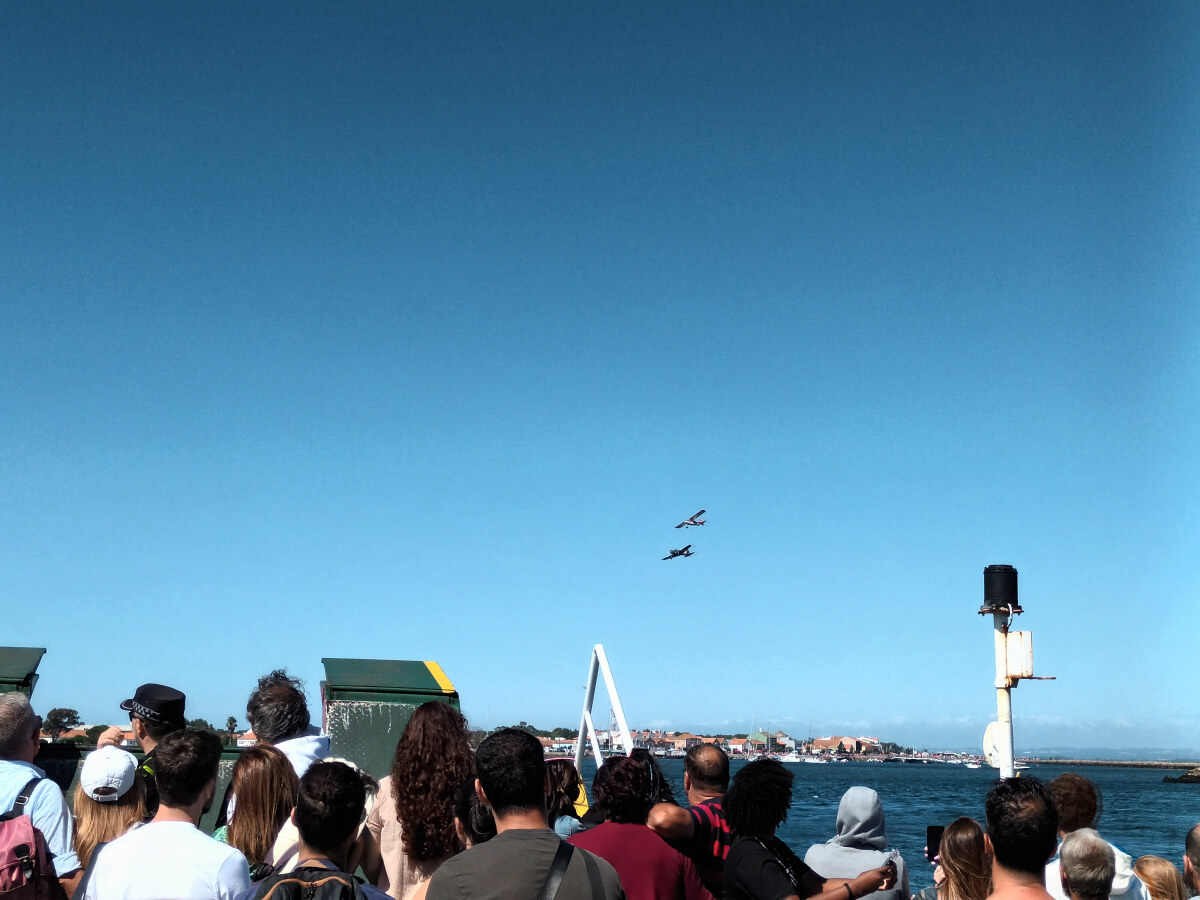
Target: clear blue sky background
x,y
409,331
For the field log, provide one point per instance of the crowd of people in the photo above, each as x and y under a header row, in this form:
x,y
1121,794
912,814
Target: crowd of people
x,y
501,823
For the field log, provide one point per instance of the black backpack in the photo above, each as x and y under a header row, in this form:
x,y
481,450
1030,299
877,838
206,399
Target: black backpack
x,y
310,883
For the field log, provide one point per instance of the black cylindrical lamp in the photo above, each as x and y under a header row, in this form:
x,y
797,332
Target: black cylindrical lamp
x,y
1000,590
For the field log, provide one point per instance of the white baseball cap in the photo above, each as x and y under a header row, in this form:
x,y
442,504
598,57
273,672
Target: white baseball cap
x,y
107,774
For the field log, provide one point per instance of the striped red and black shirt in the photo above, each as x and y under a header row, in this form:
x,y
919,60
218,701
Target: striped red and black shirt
x,y
709,845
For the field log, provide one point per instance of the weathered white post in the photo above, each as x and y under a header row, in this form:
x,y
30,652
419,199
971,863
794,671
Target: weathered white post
x,y
1014,661
1000,600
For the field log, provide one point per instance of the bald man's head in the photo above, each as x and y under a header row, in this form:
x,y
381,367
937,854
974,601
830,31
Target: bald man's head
x,y
708,768
1191,857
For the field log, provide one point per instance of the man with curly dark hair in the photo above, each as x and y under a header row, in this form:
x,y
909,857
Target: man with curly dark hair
x,y
762,867
278,713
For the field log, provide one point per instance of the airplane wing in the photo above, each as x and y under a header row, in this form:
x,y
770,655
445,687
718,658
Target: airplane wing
x,y
681,524
686,549
670,556
698,515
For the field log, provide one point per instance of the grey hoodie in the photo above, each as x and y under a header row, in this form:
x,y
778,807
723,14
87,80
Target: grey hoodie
x,y
861,843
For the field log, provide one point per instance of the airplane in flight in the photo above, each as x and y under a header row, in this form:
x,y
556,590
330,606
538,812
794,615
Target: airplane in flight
x,y
694,520
684,551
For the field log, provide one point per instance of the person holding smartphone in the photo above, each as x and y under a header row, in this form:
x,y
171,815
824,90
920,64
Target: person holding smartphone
x,y
964,868
762,867
861,843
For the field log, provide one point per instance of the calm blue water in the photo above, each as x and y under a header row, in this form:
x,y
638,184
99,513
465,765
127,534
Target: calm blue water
x,y
1140,814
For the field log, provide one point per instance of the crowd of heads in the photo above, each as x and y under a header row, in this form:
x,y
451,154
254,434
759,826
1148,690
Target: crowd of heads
x,y
449,798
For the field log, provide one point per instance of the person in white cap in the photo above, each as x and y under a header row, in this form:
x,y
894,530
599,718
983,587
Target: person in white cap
x,y
169,857
109,800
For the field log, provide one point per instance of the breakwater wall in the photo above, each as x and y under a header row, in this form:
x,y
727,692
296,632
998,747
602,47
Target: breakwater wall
x,y
1115,763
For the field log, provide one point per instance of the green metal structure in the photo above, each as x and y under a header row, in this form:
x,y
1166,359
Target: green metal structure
x,y
367,704
18,668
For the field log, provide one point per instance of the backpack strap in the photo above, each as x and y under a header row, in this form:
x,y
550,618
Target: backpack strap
x,y
593,871
18,807
81,888
558,868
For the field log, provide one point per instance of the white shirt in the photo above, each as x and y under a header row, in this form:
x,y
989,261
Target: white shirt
x,y
1125,886
168,861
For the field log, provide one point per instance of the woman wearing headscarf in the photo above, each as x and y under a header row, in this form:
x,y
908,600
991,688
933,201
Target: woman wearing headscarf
x,y
861,843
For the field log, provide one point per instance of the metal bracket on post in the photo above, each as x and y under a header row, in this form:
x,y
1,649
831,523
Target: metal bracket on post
x,y
587,731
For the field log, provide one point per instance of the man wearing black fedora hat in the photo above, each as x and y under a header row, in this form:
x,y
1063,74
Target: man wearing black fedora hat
x,y
155,710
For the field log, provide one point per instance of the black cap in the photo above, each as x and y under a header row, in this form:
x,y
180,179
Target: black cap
x,y
157,704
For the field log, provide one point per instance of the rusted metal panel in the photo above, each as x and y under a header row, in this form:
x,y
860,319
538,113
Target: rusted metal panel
x,y
1020,654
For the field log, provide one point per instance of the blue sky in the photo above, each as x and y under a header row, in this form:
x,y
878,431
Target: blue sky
x,y
400,331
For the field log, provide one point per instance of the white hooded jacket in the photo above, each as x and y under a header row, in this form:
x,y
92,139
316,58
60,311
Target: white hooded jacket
x,y
1126,885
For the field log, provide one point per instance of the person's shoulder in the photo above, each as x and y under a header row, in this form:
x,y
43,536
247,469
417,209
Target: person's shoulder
x,y
608,873
1022,892
370,892
46,795
710,811
198,843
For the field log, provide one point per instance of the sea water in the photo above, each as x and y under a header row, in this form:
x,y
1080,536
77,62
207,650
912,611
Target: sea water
x,y
1140,813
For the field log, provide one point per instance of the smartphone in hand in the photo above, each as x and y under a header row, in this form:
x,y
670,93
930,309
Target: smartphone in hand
x,y
933,841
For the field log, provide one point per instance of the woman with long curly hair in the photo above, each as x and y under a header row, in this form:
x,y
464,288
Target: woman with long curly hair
x,y
266,786
410,831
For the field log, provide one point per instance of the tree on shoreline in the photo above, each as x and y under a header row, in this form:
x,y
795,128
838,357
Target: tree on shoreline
x,y
59,720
